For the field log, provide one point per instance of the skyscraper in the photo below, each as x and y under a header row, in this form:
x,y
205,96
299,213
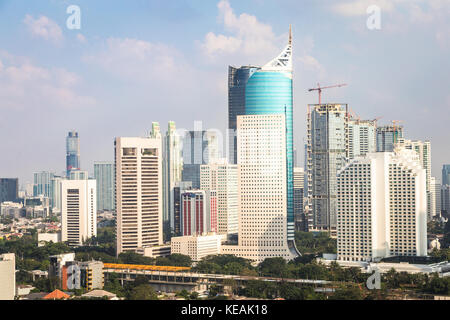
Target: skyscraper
x,y
172,169
362,137
299,183
237,82
199,147
78,210
435,191
72,152
387,136
446,174
222,177
262,189
327,154
381,207
269,91
198,212
178,189
423,150
138,193
9,189
104,174
42,183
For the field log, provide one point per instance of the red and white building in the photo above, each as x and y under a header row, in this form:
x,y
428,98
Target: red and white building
x,y
198,212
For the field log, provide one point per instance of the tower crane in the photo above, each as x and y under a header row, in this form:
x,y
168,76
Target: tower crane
x,y
319,89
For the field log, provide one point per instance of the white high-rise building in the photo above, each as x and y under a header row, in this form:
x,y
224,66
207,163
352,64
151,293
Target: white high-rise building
x,y
78,210
423,149
138,164
222,177
172,169
7,276
56,201
262,194
299,184
362,137
435,193
381,207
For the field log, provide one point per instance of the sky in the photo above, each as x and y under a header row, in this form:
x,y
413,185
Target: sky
x,y
134,62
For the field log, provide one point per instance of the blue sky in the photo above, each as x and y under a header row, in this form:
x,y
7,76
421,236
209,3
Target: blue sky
x,y
134,62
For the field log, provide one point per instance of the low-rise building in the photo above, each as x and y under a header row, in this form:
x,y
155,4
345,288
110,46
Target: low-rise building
x,y
197,246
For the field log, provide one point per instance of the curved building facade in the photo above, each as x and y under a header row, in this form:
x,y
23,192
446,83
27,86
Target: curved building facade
x,y
269,91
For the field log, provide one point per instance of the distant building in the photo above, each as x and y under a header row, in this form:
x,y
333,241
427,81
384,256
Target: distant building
x,y
104,175
78,211
172,169
55,194
44,238
78,175
387,137
7,276
9,189
197,246
446,174
299,183
42,183
9,209
381,207
435,192
222,177
179,188
91,275
72,152
361,137
198,212
199,147
58,267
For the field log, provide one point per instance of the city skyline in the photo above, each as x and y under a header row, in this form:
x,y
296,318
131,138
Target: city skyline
x,y
232,33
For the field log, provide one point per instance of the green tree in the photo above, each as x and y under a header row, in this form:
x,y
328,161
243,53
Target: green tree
x,y
143,292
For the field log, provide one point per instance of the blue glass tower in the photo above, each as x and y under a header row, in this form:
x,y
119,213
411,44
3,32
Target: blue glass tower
x,y
269,91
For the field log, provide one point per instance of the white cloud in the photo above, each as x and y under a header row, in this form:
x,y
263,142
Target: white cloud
x,y
24,85
359,7
43,27
248,36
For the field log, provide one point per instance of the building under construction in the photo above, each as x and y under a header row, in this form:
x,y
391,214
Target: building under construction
x,y
334,137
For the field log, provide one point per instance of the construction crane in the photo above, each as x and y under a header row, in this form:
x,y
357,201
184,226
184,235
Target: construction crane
x,y
394,126
319,89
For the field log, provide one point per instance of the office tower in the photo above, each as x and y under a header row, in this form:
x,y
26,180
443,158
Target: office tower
x,y
269,91
262,189
423,149
327,154
78,211
237,82
42,183
222,177
178,189
72,152
78,175
9,189
381,207
138,165
172,168
446,174
198,212
435,192
299,183
387,136
445,200
55,194
362,138
7,276
104,175
295,164
199,147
